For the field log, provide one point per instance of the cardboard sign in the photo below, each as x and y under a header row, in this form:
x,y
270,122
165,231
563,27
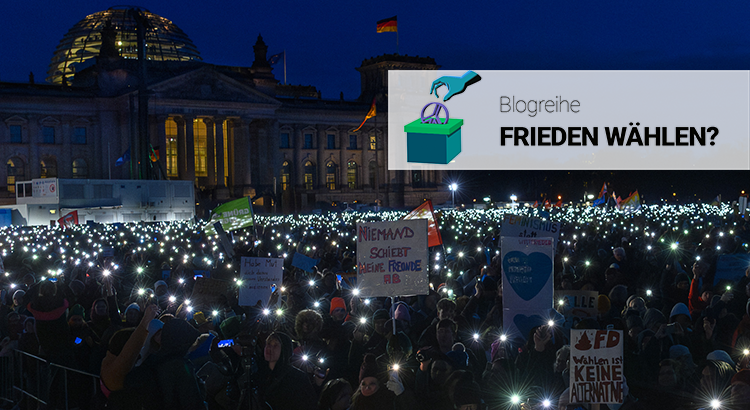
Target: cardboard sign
x,y
596,368
527,227
304,262
206,291
577,303
392,258
527,266
258,276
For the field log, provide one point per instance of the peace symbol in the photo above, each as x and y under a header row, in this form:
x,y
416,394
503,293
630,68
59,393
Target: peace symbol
x,y
434,118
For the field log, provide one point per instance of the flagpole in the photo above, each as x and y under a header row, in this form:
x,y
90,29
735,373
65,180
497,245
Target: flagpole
x,y
284,67
396,40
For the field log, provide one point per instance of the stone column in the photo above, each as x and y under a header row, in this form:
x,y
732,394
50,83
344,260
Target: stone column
x,y
219,137
210,152
189,149
161,135
181,149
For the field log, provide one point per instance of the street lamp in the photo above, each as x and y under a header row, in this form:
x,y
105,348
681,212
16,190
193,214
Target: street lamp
x,y
454,187
513,199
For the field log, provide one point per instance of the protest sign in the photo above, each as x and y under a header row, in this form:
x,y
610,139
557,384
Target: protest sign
x,y
392,258
207,291
258,275
577,303
529,227
304,262
731,267
596,368
527,283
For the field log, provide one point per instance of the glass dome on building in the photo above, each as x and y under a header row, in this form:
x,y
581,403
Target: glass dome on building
x,y
164,41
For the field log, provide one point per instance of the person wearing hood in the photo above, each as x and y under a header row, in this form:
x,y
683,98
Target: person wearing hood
x,y
375,394
278,379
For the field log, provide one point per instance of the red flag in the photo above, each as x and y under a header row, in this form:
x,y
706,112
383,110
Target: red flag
x,y
71,218
559,204
536,204
425,211
371,113
386,25
547,205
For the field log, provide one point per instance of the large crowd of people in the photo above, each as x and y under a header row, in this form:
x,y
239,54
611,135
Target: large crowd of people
x,y
117,301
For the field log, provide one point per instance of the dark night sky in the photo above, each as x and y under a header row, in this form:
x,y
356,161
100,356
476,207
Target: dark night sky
x,y
325,41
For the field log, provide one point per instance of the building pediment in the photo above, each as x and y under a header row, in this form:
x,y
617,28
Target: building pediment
x,y
206,84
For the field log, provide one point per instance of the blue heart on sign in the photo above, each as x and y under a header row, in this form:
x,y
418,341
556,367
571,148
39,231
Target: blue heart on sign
x,y
527,274
524,324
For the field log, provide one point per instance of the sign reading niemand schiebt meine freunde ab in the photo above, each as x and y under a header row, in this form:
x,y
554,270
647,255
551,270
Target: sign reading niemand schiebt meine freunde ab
x,y
538,120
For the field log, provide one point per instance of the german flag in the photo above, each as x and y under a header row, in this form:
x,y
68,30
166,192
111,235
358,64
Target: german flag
x,y
386,25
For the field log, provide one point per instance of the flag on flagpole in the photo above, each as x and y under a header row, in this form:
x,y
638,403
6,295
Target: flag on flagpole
x,y
274,59
154,154
602,196
425,211
631,203
123,159
233,215
71,218
387,25
373,112
536,204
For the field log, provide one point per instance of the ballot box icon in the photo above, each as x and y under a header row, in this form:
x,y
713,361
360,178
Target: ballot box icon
x,y
434,138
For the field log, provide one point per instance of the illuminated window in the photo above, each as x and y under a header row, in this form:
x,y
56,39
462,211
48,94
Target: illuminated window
x,y
309,175
286,173
373,173
331,175
170,127
373,142
49,167
79,136
15,172
201,148
80,169
48,135
351,174
15,134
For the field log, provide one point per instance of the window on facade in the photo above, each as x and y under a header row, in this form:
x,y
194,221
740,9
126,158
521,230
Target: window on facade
x,y
48,135
331,175
201,148
170,128
308,141
15,134
80,169
373,173
15,173
79,135
286,175
309,175
331,141
49,168
416,179
284,143
352,142
373,142
351,174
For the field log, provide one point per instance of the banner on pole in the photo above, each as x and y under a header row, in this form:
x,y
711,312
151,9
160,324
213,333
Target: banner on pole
x,y
527,283
259,275
392,258
527,227
596,368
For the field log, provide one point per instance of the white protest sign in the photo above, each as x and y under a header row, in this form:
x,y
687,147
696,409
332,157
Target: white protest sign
x,y
527,283
392,258
596,368
258,276
529,227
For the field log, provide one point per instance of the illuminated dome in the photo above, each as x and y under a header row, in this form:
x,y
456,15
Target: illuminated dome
x,y
164,41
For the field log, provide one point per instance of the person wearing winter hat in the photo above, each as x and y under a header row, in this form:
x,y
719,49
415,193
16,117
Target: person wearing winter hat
x,y
371,394
467,396
681,314
338,310
721,356
336,395
277,378
230,327
740,389
132,315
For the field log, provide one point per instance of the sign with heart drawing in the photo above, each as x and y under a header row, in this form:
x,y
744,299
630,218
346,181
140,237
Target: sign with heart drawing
x,y
528,270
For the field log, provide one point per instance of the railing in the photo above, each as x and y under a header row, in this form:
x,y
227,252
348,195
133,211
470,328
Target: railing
x,y
26,377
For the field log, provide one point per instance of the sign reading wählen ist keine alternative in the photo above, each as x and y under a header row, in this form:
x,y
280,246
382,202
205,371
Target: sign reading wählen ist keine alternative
x,y
596,372
392,258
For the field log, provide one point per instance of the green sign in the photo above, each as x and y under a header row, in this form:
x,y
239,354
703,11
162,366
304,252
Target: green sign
x,y
232,215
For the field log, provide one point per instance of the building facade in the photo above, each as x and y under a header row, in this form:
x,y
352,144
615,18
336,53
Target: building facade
x,y
234,131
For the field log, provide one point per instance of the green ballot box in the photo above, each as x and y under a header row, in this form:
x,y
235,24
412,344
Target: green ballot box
x,y
433,143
